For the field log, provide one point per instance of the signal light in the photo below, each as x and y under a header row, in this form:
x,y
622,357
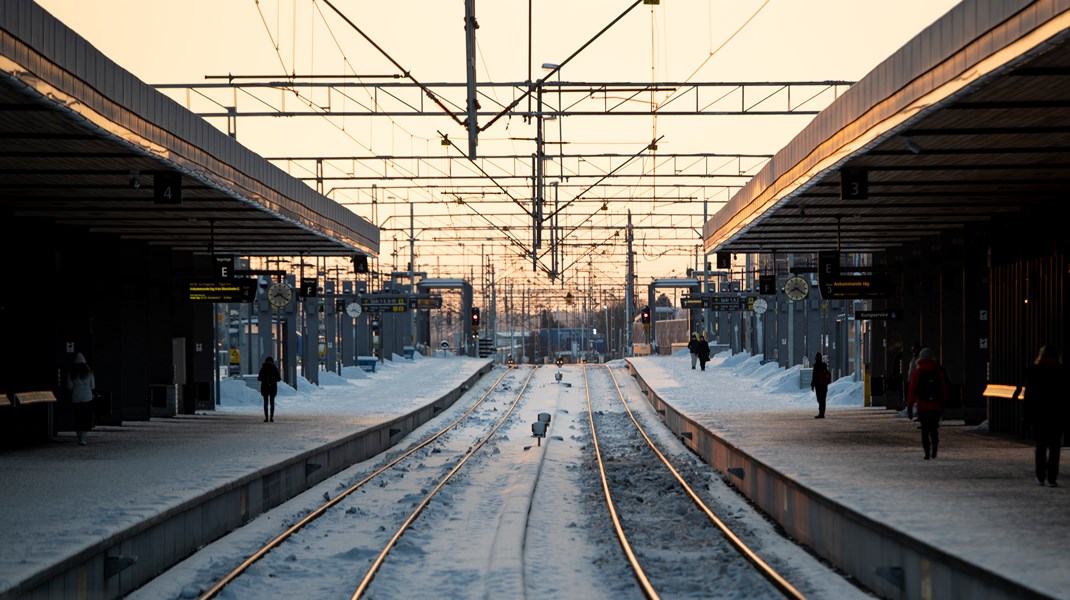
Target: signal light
x,y
644,314
475,317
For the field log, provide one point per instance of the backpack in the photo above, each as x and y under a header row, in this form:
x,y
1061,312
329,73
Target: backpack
x,y
826,377
930,394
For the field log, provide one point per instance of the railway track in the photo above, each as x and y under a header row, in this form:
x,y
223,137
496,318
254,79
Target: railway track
x,y
479,509
625,454
302,551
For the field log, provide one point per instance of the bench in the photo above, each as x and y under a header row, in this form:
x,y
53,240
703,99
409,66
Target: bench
x,y
40,397
1004,407
31,417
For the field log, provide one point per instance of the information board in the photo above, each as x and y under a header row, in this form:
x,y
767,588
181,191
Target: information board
x,y
726,302
892,314
233,290
692,302
384,303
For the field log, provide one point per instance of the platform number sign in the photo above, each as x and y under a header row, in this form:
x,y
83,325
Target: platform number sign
x,y
308,287
167,188
854,184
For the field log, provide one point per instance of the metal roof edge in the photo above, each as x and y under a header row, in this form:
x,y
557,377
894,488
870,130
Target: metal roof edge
x,y
953,45
83,79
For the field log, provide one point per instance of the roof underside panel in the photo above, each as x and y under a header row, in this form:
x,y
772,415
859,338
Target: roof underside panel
x,y
969,122
83,143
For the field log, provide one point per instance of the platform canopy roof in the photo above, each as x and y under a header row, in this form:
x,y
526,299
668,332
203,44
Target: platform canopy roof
x,y
968,122
85,144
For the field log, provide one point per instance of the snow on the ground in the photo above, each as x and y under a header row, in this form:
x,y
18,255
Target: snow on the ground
x,y
752,385
566,499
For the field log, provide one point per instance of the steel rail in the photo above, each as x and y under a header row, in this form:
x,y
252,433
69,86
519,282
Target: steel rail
x,y
640,575
764,568
234,574
363,587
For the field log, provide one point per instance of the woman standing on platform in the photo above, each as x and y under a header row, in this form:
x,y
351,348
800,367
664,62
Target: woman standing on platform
x,y
1045,410
81,384
820,379
269,378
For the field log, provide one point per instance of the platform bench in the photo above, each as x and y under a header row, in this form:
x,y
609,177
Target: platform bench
x,y
1005,411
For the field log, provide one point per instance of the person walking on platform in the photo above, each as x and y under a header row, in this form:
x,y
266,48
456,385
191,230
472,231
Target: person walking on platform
x,y
81,384
703,351
692,347
1046,411
269,378
820,379
928,390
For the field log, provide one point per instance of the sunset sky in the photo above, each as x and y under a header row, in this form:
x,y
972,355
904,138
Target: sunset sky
x,y
677,41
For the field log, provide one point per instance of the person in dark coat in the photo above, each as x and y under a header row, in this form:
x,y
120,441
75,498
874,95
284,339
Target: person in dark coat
x,y
269,378
703,349
819,383
692,347
1046,410
928,391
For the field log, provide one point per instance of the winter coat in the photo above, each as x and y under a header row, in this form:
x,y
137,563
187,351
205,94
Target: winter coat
x,y
1046,396
817,380
269,379
925,366
703,350
693,346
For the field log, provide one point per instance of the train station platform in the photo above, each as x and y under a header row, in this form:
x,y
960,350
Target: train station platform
x,y
854,487
78,521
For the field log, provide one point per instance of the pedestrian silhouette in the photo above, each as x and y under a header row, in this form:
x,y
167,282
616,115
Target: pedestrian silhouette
x,y
703,351
269,378
81,383
928,392
820,379
1046,411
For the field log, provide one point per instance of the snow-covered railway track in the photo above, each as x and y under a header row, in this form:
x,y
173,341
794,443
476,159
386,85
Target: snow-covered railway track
x,y
648,527
436,459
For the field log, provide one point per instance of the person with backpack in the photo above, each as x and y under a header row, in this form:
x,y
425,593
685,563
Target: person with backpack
x,y
928,391
820,379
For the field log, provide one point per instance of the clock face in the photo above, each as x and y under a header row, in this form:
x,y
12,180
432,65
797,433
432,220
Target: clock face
x,y
279,294
760,306
353,309
796,288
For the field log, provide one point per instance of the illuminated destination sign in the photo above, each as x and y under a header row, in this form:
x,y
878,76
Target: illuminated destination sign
x,y
232,290
425,301
692,302
854,287
384,303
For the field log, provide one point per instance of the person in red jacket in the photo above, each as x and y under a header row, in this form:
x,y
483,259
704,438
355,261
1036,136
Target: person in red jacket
x,y
928,392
